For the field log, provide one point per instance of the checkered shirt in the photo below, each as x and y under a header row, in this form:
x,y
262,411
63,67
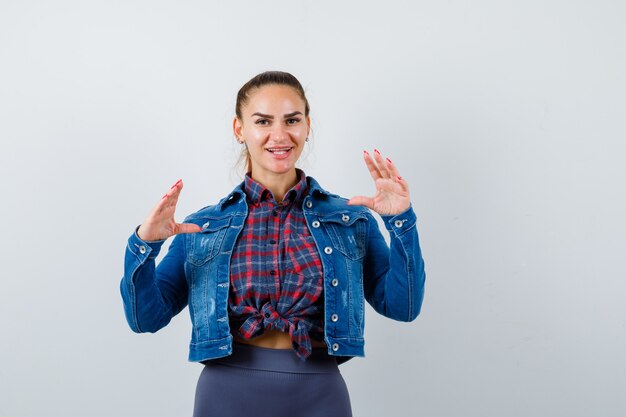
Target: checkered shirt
x,y
276,275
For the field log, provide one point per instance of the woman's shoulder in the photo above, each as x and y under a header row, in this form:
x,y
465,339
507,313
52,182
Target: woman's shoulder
x,y
330,202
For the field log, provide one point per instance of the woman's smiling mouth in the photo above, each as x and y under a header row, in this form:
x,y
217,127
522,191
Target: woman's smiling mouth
x,y
282,151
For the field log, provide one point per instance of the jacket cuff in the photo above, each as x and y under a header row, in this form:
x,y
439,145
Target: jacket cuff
x,y
400,223
143,249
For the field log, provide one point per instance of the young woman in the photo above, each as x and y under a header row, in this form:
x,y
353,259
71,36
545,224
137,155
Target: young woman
x,y
275,274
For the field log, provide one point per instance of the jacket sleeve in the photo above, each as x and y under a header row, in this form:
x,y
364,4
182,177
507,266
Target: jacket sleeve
x,y
394,276
153,295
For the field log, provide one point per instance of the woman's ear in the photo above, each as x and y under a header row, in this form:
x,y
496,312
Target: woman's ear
x,y
237,126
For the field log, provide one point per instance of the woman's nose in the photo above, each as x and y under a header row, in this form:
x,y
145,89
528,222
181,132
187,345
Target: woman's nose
x,y
279,132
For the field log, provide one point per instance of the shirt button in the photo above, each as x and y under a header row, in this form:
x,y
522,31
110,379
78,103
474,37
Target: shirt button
x,y
142,249
315,224
205,225
399,223
345,217
335,347
272,272
309,204
267,315
328,250
335,282
334,317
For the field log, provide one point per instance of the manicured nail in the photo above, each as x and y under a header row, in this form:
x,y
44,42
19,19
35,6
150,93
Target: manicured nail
x,y
366,153
389,160
399,178
177,182
376,150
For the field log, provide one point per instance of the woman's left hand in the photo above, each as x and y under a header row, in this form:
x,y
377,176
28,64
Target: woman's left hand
x,y
392,191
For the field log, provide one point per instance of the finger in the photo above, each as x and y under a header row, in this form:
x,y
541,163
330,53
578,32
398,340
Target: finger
x,y
169,199
382,165
187,228
371,166
172,190
161,206
403,183
165,202
395,175
175,193
361,200
393,170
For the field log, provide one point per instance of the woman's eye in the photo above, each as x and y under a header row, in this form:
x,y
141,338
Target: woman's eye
x,y
261,122
292,121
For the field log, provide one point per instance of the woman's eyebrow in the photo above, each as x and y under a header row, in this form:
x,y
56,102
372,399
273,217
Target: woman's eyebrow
x,y
269,116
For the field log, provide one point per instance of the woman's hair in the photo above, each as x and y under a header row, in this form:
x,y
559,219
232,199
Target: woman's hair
x,y
258,81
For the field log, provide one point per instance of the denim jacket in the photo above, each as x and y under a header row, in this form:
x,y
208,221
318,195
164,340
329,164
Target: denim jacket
x,y
358,265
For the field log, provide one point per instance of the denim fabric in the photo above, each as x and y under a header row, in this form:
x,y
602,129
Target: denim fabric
x,y
357,262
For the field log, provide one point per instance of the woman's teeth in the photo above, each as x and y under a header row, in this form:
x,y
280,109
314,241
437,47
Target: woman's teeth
x,y
280,151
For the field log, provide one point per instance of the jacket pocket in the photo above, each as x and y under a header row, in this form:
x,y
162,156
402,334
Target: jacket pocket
x,y
347,232
206,244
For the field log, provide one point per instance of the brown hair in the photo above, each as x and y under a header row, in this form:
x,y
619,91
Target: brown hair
x,y
258,81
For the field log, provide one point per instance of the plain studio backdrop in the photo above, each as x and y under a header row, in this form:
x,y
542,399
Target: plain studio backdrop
x,y
506,119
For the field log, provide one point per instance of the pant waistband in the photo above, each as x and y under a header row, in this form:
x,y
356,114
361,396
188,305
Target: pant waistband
x,y
278,360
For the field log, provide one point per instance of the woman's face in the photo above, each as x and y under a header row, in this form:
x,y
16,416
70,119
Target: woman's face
x,y
274,128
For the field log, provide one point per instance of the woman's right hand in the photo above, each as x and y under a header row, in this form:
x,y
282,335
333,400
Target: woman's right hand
x,y
160,224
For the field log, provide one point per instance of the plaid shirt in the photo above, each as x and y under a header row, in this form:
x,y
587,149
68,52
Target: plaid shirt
x,y
276,275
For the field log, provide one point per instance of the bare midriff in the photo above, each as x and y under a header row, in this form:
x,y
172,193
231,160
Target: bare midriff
x,y
273,339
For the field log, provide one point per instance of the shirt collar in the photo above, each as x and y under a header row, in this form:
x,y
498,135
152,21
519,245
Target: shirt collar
x,y
257,192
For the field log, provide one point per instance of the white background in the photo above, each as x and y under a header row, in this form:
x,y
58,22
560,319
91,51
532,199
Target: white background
x,y
506,118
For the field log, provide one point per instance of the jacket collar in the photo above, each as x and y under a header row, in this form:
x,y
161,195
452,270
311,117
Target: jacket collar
x,y
257,192
239,193
315,187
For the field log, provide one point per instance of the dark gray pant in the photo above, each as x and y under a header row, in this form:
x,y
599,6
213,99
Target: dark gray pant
x,y
264,382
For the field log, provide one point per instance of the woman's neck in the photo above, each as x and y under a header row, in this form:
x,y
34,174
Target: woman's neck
x,y
278,184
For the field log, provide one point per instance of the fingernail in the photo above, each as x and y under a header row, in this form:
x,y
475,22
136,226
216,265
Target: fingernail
x,y
177,182
366,153
376,150
389,160
399,178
